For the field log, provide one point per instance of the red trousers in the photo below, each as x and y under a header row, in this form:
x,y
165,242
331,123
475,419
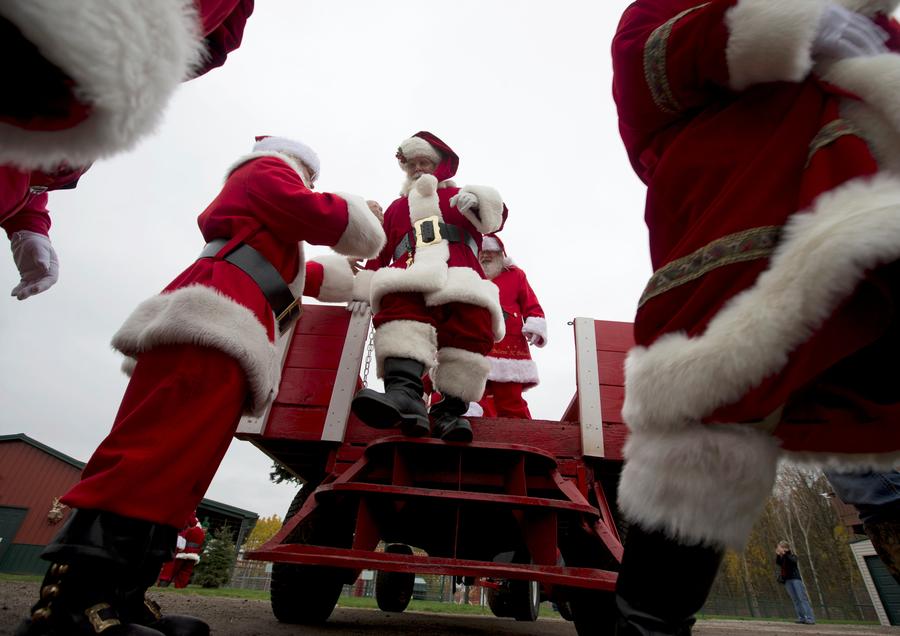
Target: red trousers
x,y
504,399
173,427
178,572
458,325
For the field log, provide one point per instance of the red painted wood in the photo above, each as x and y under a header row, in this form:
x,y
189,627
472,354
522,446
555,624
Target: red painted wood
x,y
288,422
306,387
323,320
611,400
314,351
611,366
363,559
571,412
614,336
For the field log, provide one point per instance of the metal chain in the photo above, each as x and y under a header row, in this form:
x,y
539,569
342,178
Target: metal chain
x,y
370,348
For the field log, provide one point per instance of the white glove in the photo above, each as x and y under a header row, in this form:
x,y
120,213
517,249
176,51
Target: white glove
x,y
844,33
534,339
37,262
358,307
464,201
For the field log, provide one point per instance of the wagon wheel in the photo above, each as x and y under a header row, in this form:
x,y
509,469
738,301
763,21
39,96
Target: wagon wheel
x,y
305,594
393,590
520,600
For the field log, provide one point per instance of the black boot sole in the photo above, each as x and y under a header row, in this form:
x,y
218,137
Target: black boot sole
x,y
415,426
461,434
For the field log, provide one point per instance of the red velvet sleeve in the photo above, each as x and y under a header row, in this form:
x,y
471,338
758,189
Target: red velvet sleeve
x,y
223,24
529,305
33,217
315,276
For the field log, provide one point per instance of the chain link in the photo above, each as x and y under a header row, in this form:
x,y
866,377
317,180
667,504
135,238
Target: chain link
x,y
370,348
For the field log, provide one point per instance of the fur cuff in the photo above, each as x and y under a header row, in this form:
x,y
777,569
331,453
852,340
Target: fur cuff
x,y
705,484
364,235
200,316
490,209
822,257
362,285
538,326
126,58
771,40
464,285
875,80
188,556
405,339
461,373
475,410
337,285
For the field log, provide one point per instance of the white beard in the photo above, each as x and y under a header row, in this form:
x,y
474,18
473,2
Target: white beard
x,y
870,7
492,270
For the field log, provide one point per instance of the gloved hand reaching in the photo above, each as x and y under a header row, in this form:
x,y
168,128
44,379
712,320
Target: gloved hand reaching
x,y
37,262
844,33
358,307
464,201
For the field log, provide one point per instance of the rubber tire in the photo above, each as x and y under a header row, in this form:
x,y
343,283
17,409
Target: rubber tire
x,y
394,590
520,600
304,594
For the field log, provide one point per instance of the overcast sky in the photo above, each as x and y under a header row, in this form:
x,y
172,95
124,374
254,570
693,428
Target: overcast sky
x,y
521,90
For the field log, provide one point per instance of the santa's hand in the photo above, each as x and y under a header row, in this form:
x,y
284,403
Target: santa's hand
x,y
534,339
844,33
464,201
358,307
37,262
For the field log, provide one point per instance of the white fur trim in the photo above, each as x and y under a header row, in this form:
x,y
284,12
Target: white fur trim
x,y
337,283
250,156
460,373
706,484
294,148
849,462
188,556
418,147
490,209
517,370
362,285
474,410
200,316
490,244
870,7
464,285
538,326
771,40
128,364
881,136
405,339
126,57
364,235
822,257
875,79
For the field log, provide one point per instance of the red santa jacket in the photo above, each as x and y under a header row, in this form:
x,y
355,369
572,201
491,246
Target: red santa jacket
x,y
193,537
772,196
266,204
444,272
89,78
511,357
23,197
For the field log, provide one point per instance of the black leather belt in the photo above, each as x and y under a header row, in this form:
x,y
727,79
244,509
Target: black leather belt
x,y
270,283
432,230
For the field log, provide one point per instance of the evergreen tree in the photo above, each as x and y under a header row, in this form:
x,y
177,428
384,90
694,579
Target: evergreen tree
x,y
217,561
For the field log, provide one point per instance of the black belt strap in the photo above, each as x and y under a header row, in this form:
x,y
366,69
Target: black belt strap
x,y
271,284
453,233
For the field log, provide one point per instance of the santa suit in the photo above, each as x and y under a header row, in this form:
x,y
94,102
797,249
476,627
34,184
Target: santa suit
x,y
205,346
187,556
434,297
512,369
773,205
88,79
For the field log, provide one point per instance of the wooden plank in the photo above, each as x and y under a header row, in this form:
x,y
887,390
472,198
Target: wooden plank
x,y
346,379
614,336
301,424
315,351
588,384
323,320
249,425
611,367
305,387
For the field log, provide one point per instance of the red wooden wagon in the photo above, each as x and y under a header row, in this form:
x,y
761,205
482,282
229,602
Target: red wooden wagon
x,y
527,507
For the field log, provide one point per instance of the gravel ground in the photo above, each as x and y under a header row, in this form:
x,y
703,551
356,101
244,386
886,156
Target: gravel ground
x,y
240,617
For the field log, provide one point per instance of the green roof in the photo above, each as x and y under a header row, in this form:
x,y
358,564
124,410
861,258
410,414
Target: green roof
x,y
215,506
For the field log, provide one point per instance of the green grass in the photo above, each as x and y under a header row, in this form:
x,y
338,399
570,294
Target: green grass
x,y
21,578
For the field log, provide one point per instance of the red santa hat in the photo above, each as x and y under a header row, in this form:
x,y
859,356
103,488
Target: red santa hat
x,y
492,243
425,144
266,143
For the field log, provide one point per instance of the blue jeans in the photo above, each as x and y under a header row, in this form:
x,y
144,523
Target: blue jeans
x,y
875,495
797,591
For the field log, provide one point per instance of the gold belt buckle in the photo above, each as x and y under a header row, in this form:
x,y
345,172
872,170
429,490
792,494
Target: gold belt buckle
x,y
290,308
99,624
435,224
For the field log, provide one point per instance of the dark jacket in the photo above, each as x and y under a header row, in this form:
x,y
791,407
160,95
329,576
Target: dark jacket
x,y
787,567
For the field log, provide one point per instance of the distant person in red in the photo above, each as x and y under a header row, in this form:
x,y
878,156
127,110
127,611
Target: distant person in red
x,y
204,352
512,369
178,571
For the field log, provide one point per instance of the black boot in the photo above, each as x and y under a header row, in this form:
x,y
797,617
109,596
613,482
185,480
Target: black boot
x,y
446,422
83,591
141,610
662,584
96,583
401,403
